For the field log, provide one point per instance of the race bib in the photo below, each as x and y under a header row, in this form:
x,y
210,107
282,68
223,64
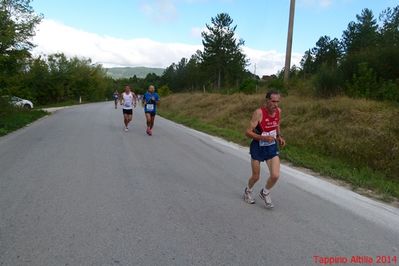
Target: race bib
x,y
128,104
273,134
150,107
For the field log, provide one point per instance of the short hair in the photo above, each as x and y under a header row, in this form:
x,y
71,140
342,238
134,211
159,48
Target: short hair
x,y
270,93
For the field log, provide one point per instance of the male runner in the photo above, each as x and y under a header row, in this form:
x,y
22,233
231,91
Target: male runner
x,y
128,101
116,97
150,100
265,132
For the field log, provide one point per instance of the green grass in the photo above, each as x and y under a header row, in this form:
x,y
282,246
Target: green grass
x,y
12,119
357,177
339,138
60,104
195,123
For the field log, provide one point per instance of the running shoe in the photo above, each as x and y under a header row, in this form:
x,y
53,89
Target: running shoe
x,y
248,196
148,131
126,129
266,198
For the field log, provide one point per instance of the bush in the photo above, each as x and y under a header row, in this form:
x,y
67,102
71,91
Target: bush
x,y
164,91
277,84
248,86
4,104
327,82
364,82
388,90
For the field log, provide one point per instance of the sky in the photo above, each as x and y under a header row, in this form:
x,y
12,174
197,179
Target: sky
x,y
157,33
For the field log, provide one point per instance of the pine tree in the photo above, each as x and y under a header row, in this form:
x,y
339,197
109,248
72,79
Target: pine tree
x,y
222,55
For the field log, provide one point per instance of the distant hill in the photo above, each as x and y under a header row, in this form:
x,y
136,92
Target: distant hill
x,y
127,72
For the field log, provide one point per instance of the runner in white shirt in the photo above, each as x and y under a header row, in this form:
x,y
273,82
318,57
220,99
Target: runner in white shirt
x,y
128,101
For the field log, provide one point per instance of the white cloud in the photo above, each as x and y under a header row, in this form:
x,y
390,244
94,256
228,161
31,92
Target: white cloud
x,y
160,10
53,37
317,3
268,62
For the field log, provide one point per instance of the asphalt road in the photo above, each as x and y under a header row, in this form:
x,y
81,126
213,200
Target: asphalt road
x,y
77,190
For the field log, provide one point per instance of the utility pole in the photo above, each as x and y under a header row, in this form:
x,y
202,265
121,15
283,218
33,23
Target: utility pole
x,y
289,42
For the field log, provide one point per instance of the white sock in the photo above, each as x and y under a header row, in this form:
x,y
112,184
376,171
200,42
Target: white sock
x,y
266,191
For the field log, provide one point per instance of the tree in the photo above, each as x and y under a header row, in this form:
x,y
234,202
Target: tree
x,y
388,47
307,63
364,63
222,55
169,76
359,42
38,81
17,24
361,34
390,26
194,72
327,52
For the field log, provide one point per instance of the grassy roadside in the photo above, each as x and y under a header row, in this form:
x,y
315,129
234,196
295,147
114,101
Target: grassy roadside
x,y
60,104
12,119
354,141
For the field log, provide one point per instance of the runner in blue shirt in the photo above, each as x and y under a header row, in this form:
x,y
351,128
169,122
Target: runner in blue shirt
x,y
151,101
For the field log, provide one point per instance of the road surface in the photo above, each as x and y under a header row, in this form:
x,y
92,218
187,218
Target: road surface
x,y
77,190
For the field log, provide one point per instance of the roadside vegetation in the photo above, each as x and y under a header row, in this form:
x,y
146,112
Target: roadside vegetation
x,y
13,118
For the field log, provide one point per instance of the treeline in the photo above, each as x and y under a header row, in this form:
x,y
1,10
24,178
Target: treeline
x,y
363,63
57,78
139,85
46,79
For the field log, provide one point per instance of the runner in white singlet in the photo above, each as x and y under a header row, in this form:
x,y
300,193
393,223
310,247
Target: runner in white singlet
x,y
128,101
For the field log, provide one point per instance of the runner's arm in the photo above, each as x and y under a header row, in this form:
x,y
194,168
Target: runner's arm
x,y
157,99
256,117
280,138
134,99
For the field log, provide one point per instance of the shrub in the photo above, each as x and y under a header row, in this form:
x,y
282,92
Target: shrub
x,y
164,91
364,82
327,82
388,90
4,104
248,86
277,84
